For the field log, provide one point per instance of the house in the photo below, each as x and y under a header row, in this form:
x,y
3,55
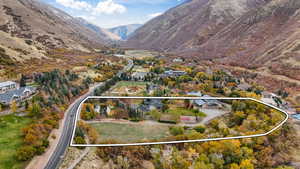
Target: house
x,y
151,88
7,86
16,95
97,108
178,60
199,103
173,73
207,103
108,111
153,104
269,95
149,105
139,75
212,104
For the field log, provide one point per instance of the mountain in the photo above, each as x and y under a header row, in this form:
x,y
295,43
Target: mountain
x,y
105,34
28,28
248,33
196,20
125,31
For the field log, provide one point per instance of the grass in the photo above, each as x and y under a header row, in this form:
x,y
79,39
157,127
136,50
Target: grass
x,y
11,140
131,133
129,83
181,112
129,88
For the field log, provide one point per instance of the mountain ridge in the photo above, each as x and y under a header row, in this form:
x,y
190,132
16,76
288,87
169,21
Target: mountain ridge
x,y
256,34
29,28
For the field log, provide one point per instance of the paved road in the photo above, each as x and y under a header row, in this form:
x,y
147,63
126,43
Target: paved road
x,y
70,114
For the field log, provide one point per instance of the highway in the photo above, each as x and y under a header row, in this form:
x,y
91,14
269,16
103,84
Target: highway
x,y
70,114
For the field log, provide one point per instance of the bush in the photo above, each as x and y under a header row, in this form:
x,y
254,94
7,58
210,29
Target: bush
x,y
25,153
39,150
156,115
200,129
176,130
79,140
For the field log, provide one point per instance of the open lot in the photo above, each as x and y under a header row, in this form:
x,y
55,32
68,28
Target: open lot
x,y
130,133
141,54
129,88
140,69
11,140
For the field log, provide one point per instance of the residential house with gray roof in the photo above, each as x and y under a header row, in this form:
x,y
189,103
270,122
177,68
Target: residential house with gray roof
x,y
16,95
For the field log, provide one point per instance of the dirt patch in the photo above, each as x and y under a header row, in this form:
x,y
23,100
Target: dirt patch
x,y
72,154
92,161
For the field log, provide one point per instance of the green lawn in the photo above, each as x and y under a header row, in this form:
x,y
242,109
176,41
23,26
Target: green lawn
x,y
181,112
129,83
11,140
131,133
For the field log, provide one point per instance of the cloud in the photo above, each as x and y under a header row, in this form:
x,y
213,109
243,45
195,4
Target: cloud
x,y
144,1
103,7
155,15
74,4
109,7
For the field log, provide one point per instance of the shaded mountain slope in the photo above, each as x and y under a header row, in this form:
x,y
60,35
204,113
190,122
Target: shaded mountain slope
x,y
28,28
249,33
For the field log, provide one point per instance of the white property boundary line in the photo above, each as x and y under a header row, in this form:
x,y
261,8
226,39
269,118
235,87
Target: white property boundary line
x,y
174,142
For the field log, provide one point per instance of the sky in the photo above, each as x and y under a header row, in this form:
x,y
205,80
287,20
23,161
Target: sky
x,y
112,13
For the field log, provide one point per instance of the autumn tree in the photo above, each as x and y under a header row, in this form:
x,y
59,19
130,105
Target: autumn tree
x,y
35,110
25,153
14,107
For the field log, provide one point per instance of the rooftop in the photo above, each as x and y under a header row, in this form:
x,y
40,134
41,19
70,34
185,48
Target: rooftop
x,y
199,94
7,83
7,97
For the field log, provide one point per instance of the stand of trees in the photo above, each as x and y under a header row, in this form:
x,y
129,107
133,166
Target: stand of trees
x,y
46,109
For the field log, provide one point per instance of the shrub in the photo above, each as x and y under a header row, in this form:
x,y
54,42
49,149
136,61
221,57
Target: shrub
x,y
200,129
79,140
176,130
25,153
156,115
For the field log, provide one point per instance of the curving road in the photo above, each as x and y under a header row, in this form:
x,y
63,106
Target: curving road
x,y
70,114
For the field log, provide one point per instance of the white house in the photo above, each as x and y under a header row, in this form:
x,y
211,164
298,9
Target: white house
x,y
7,86
172,73
178,60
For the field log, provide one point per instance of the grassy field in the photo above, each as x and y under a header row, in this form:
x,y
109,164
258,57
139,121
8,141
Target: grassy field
x,y
129,83
11,140
181,112
131,133
128,87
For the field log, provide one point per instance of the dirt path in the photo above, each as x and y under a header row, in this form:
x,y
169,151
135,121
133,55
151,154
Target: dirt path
x,y
77,161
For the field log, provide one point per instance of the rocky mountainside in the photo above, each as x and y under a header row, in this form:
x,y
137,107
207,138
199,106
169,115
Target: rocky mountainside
x,y
250,33
125,31
28,28
190,24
